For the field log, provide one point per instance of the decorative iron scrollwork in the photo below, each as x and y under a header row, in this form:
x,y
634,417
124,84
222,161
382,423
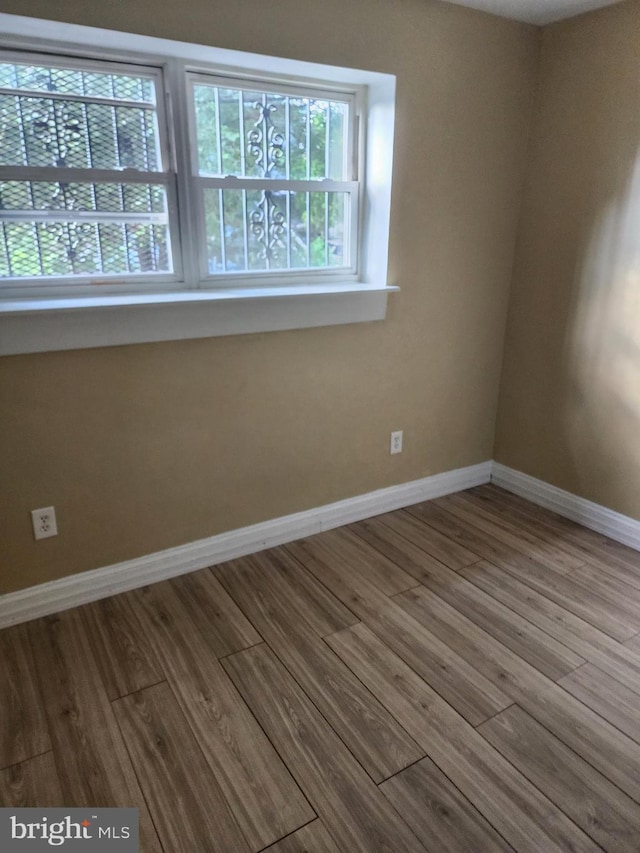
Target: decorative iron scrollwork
x,y
266,144
264,141
268,225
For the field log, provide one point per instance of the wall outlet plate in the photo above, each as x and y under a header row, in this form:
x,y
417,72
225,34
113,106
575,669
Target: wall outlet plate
x,y
44,522
395,445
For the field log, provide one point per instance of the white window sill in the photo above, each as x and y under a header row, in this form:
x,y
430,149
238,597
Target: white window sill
x,y
41,324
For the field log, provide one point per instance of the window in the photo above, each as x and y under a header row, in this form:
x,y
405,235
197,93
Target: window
x,y
88,196
153,190
274,173
85,191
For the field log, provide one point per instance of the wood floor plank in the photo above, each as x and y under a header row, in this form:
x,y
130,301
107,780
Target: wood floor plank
x,y
223,625
606,581
345,547
312,838
356,592
474,696
633,644
603,811
601,552
486,547
442,818
321,610
602,609
31,784
93,765
464,687
314,606
172,769
524,817
24,732
562,535
594,645
499,505
607,697
513,535
559,533
586,592
570,592
606,566
588,541
525,639
597,741
442,548
121,648
355,812
375,738
264,798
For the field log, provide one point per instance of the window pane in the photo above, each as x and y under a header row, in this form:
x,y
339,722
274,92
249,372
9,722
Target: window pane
x,y
76,82
81,197
51,120
337,136
64,116
74,248
44,132
71,230
338,216
298,147
206,115
267,134
229,104
262,230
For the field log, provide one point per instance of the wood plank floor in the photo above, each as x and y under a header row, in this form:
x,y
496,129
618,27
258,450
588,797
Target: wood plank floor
x,y
462,676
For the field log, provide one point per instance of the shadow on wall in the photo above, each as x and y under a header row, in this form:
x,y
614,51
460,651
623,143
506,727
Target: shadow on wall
x,y
602,349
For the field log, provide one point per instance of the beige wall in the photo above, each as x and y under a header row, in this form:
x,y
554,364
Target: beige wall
x,y
570,399
144,447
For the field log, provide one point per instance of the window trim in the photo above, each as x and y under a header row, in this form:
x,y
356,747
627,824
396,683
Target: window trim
x,y
31,325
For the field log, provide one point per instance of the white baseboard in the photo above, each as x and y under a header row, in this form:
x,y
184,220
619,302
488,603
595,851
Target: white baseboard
x,y
73,590
620,527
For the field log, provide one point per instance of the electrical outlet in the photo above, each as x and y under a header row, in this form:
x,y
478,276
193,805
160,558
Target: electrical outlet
x,y
395,445
44,522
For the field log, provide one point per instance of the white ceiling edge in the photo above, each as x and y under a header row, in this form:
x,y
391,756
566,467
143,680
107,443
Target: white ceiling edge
x,y
538,12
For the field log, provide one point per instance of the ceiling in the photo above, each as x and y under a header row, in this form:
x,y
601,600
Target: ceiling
x,y
535,11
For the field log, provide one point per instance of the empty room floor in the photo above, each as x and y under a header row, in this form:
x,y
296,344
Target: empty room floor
x,y
462,675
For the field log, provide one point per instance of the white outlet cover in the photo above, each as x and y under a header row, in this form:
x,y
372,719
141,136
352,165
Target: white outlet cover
x,y
395,445
44,522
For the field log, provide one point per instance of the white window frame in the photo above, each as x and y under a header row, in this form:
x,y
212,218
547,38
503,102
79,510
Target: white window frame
x,y
86,284
174,81
170,310
355,98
